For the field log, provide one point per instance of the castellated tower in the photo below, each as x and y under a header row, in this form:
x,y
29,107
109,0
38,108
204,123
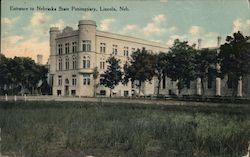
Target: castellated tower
x,y
87,36
53,33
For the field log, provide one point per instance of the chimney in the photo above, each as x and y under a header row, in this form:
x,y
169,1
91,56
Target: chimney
x,y
199,43
39,59
218,41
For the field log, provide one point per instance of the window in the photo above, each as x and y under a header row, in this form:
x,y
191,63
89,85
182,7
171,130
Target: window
x,y
86,62
66,48
59,92
73,92
74,47
66,81
73,80
60,49
74,62
126,93
67,63
125,52
86,80
102,63
60,63
101,79
103,92
86,45
102,48
59,80
114,50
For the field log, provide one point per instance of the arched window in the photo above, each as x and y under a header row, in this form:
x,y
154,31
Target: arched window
x,y
60,63
67,63
67,81
74,62
86,62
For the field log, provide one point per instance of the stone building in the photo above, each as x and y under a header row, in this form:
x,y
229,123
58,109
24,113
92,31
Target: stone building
x,y
75,53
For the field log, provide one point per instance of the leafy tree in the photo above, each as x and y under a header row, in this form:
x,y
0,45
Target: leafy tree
x,y
161,68
234,58
5,74
21,73
113,74
141,68
181,63
205,61
95,76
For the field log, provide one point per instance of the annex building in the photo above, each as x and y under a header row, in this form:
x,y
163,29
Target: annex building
x,y
75,53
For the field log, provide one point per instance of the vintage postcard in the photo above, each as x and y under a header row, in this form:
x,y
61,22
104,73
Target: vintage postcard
x,y
123,78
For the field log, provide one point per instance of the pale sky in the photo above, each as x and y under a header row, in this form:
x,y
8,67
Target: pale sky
x,y
26,33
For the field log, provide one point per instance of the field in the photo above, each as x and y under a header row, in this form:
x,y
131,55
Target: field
x,y
65,129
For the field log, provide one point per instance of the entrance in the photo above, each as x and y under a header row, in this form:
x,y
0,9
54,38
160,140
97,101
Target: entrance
x,y
66,87
66,90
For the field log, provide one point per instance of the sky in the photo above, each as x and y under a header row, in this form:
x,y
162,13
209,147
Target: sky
x,y
26,33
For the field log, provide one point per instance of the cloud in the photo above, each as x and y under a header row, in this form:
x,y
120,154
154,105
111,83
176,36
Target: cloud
x,y
9,21
130,27
38,18
195,30
172,29
60,24
237,25
11,40
172,38
106,24
154,27
248,22
87,16
30,47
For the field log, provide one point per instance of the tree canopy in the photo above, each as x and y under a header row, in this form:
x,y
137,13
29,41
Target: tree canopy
x,y
113,74
234,58
20,73
181,63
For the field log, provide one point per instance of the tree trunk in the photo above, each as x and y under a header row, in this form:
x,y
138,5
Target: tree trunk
x,y
158,86
234,88
110,92
139,88
94,88
203,89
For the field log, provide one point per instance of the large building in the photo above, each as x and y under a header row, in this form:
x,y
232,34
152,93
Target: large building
x,y
75,53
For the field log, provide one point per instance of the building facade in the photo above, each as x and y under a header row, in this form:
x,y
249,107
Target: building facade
x,y
75,53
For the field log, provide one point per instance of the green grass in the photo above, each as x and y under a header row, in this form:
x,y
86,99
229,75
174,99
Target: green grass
x,y
129,130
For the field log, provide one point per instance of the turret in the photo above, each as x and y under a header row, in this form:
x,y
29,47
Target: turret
x,y
53,32
87,32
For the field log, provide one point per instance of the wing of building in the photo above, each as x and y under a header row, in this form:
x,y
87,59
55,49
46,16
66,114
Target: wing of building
x,y
75,53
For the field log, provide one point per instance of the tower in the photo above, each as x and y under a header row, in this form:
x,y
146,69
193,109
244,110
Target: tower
x,y
53,33
86,40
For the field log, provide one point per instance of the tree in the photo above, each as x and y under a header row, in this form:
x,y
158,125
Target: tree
x,y
234,59
141,67
113,74
161,68
181,63
20,73
205,63
95,76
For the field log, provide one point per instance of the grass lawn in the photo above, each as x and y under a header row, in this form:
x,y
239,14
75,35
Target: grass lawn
x,y
65,129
